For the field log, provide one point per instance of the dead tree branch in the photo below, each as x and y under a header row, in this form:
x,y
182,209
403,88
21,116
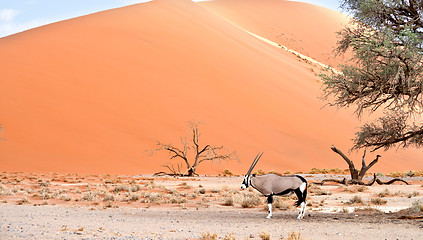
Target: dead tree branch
x,y
200,154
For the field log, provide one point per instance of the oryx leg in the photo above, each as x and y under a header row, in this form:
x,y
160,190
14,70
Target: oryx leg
x,y
269,205
301,193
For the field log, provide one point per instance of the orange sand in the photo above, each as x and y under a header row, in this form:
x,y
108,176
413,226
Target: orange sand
x,y
92,94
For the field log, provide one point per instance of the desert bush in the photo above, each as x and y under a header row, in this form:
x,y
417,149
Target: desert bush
x,y
336,171
279,203
260,172
413,194
227,172
134,188
109,198
43,184
209,236
133,197
24,200
88,196
318,171
264,236
250,200
152,197
355,200
177,200
44,194
395,174
275,172
121,188
109,204
202,191
384,193
417,206
4,191
64,197
229,236
361,188
294,236
378,201
229,201
215,191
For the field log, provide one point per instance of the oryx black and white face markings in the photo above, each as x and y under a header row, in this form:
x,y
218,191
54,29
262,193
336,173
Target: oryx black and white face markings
x,y
272,184
245,183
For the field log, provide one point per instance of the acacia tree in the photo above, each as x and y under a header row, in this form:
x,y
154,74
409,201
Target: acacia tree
x,y
199,154
385,72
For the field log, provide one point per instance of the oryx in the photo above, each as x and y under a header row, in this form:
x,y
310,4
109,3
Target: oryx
x,y
273,184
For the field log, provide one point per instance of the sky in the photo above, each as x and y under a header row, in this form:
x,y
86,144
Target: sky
x,y
20,15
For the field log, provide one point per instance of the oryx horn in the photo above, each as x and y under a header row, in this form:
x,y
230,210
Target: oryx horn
x,y
254,163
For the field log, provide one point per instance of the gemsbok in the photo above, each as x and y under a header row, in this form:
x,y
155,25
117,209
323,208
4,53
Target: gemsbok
x,y
273,184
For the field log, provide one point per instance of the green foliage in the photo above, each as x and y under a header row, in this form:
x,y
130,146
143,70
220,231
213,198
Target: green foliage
x,y
384,73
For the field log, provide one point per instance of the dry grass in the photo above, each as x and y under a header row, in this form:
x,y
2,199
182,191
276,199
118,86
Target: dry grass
x,y
417,206
281,204
294,236
264,236
229,201
209,236
355,200
249,200
378,201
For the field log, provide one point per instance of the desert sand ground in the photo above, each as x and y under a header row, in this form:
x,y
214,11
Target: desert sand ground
x,y
57,206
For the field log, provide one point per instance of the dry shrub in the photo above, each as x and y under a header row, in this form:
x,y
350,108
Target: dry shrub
x,y
413,194
318,171
384,193
336,171
260,172
355,200
229,236
4,191
279,203
44,194
134,188
417,206
361,189
109,198
152,197
378,201
24,200
264,236
65,197
133,197
229,201
177,200
227,172
209,236
395,174
88,196
294,236
275,172
250,200
121,188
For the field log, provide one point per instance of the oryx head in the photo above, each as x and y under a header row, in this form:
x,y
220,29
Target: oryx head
x,y
246,182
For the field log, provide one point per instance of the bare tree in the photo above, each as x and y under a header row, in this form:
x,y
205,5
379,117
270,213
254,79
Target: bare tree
x,y
356,175
200,154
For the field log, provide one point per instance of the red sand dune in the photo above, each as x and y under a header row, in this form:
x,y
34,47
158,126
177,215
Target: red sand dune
x,y
308,29
92,94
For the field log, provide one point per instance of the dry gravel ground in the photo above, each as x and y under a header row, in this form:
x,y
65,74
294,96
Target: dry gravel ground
x,y
54,222
176,208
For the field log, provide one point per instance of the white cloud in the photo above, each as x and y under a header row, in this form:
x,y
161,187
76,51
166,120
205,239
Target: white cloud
x,y
8,14
9,28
